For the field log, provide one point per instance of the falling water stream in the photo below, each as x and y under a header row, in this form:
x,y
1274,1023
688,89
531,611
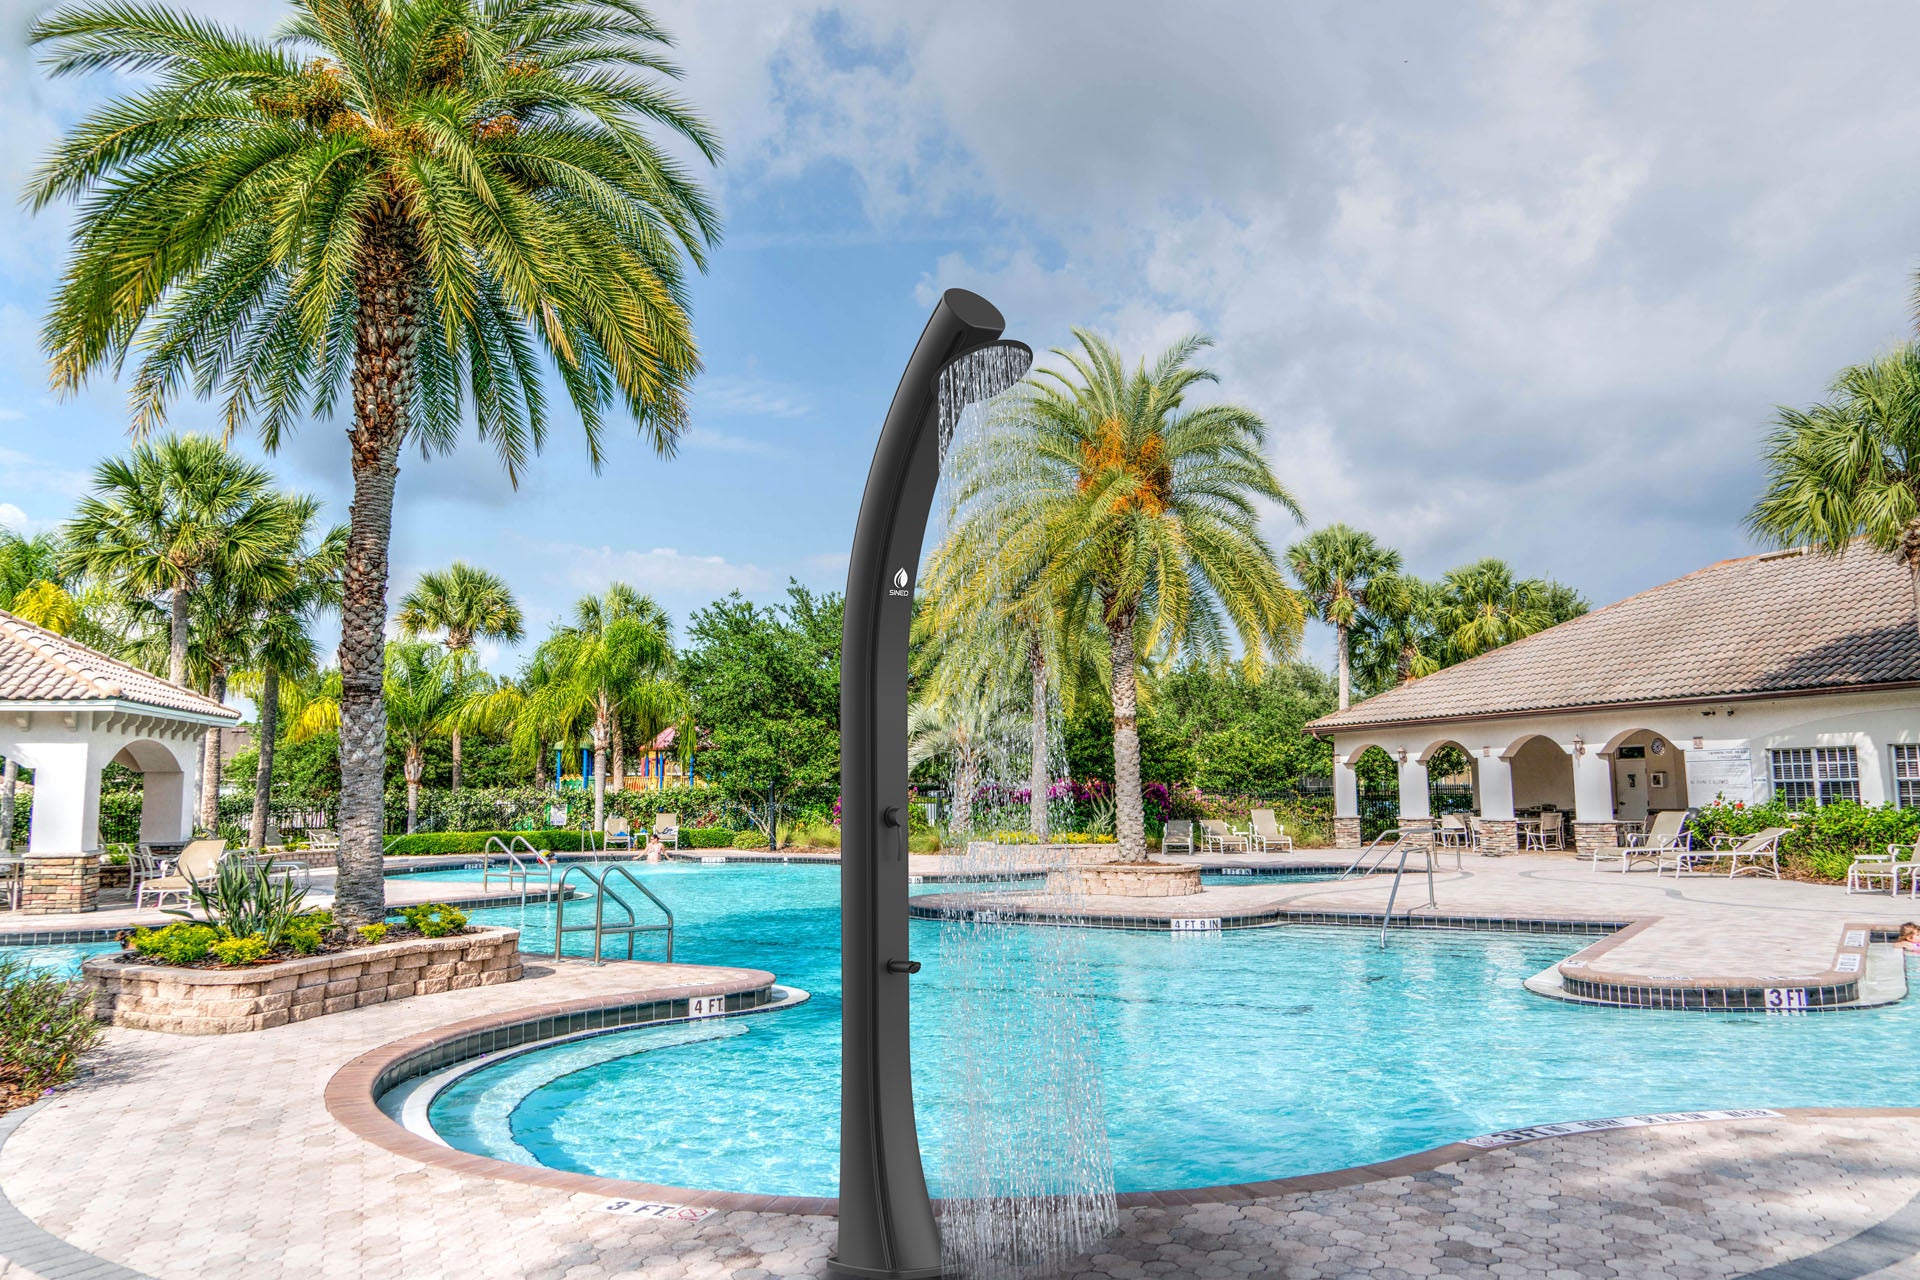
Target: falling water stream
x,y
1026,1171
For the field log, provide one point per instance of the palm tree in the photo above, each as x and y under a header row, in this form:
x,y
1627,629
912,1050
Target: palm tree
x,y
1481,606
970,731
1397,639
463,604
170,516
1336,566
423,204
1151,525
32,583
615,659
1850,468
281,647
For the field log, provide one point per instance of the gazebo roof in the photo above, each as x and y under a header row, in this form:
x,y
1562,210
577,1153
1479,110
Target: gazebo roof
x,y
38,666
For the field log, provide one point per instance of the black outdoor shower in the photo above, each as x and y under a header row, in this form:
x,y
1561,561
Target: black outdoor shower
x,y
887,1225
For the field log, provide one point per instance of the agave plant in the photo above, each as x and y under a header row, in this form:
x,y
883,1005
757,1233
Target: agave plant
x,y
245,898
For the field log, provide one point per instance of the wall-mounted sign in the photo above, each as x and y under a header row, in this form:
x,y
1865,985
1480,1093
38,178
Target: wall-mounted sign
x,y
1723,772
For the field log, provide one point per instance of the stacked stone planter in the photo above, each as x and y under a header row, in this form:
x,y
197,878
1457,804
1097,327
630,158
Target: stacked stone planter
x,y
1127,880
199,1002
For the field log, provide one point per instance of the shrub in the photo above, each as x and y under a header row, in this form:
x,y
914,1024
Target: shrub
x,y
817,834
372,932
427,843
181,943
435,919
239,951
305,939
46,1024
749,840
1821,842
708,837
245,899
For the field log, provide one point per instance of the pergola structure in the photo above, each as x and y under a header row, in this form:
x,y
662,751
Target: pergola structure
x,y
68,711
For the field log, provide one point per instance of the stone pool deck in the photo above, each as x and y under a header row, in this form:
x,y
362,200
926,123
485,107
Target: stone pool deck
x,y
177,1158
1672,933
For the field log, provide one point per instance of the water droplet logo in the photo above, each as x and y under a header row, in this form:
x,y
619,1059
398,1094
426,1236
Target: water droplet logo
x,y
900,578
902,585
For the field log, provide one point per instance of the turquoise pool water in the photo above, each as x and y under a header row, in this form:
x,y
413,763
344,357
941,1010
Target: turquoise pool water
x,y
63,958
1226,1058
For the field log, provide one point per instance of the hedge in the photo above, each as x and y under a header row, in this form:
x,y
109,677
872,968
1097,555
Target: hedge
x,y
426,843
706,838
1821,842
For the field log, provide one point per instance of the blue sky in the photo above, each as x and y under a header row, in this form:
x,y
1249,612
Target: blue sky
x,y
1519,280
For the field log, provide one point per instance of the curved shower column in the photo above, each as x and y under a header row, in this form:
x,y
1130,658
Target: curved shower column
x,y
887,1226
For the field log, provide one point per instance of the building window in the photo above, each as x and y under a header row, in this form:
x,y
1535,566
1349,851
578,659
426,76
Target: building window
x,y
1815,775
1906,775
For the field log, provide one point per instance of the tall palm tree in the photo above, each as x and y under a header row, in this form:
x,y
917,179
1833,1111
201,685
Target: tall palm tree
x,y
1850,467
1397,639
281,647
616,657
1336,567
1152,525
169,516
971,730
1483,606
425,204
462,604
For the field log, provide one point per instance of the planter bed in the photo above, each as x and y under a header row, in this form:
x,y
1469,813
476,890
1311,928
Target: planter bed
x,y
1127,879
199,1002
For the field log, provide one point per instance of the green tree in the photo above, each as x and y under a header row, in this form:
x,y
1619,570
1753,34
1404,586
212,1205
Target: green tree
x,y
429,205
1482,606
1152,526
462,605
764,684
1398,639
171,515
33,583
1337,567
970,731
1850,467
617,654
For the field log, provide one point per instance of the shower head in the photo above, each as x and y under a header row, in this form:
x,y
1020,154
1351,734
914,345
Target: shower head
x,y
984,372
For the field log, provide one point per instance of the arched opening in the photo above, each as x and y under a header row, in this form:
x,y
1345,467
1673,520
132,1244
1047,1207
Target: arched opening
x,y
166,808
1453,778
1543,792
1649,775
1377,776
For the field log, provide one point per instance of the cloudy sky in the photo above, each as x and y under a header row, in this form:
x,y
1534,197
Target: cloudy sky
x,y
1521,280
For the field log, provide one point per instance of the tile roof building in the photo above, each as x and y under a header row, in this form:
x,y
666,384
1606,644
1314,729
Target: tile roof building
x,y
68,711
1789,672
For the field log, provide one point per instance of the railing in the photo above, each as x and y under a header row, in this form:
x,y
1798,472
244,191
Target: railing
x,y
597,875
516,872
1399,872
1360,866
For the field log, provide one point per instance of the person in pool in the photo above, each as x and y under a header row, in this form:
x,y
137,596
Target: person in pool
x,y
1910,937
655,848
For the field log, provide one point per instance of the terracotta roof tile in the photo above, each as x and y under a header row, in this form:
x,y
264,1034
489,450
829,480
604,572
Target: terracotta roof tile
x,y
1784,622
37,665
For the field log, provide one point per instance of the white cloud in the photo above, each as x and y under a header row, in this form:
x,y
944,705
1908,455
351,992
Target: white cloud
x,y
750,396
662,569
712,441
12,517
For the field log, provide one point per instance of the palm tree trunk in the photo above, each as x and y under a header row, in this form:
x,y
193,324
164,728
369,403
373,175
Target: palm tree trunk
x,y
1342,635
177,636
210,761
263,771
9,782
619,758
601,731
966,785
1129,820
386,340
1037,772
456,761
1910,548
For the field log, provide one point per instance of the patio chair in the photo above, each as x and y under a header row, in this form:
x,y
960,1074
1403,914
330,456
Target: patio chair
x,y
1874,872
1668,829
667,827
1546,835
1477,836
195,863
1179,832
1218,837
320,839
619,834
1452,832
1268,834
1761,844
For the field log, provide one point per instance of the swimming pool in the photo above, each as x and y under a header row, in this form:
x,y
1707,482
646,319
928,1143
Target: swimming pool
x,y
1227,1058
64,958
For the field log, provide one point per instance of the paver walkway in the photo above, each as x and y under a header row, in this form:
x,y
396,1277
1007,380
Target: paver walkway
x,y
215,1158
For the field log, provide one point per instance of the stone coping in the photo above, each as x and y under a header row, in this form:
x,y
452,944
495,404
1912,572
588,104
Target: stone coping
x,y
1586,976
352,1097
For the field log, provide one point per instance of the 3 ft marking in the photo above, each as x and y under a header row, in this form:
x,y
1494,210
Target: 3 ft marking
x,y
712,859
648,1209
1786,999
706,1006
1194,924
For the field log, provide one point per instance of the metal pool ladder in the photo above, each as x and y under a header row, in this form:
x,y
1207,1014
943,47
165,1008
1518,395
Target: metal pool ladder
x,y
1375,858
598,875
517,871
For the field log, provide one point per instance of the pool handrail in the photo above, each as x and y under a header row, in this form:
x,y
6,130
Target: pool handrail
x,y
517,870
597,875
1356,867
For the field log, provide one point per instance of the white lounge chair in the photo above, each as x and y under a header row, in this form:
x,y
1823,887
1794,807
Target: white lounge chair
x,y
1759,845
1220,838
1875,872
619,834
1452,833
1665,835
667,827
1178,833
195,863
1267,834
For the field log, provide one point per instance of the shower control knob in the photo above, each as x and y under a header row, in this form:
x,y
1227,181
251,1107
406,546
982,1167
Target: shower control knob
x,y
892,815
903,966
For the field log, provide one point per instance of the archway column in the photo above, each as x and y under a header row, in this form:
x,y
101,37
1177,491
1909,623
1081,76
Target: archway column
x,y
1493,782
1346,805
1416,806
1594,826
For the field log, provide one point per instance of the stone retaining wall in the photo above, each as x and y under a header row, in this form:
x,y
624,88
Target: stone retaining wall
x,y
1139,880
198,1002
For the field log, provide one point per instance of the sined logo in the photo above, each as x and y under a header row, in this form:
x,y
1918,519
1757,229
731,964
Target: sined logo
x,y
901,581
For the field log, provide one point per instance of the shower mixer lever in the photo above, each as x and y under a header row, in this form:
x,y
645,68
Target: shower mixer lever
x,y
903,966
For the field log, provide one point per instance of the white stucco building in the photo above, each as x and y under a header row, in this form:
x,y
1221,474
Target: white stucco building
x,y
66,712
1789,673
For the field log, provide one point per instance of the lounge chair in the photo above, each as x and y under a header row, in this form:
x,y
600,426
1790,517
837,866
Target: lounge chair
x,y
1665,840
1267,834
1477,836
320,840
1759,845
1218,837
195,863
666,826
1179,832
1875,872
619,834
